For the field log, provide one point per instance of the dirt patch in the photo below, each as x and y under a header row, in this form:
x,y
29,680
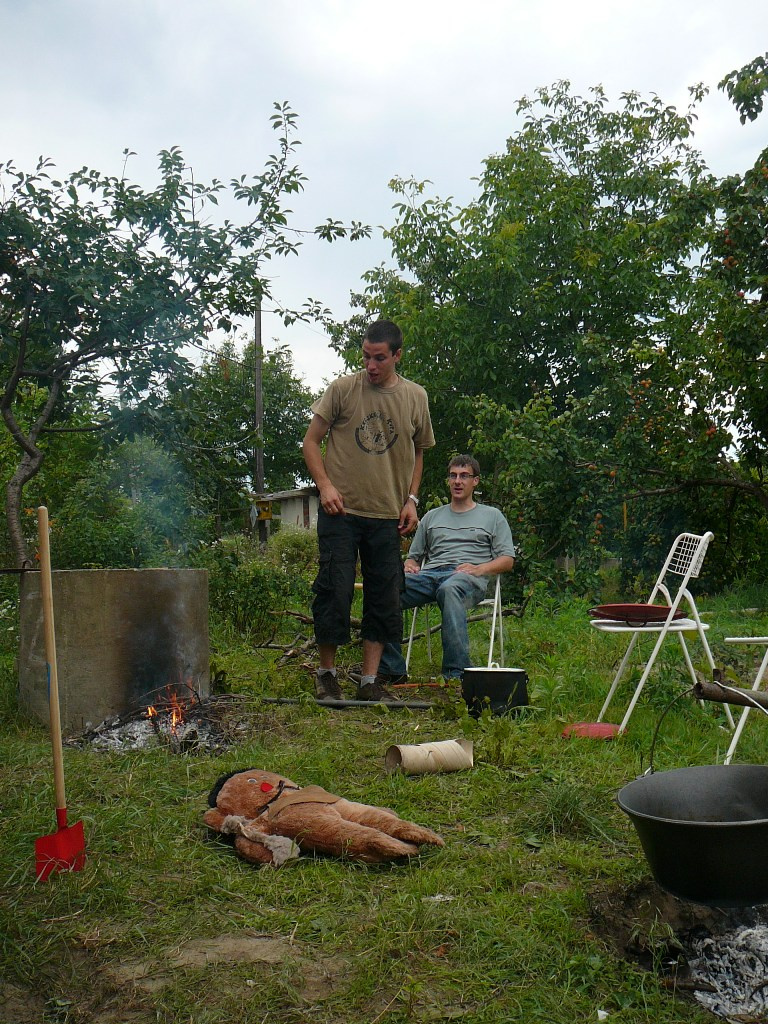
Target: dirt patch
x,y
121,992
122,1016
23,1006
318,975
649,925
20,1007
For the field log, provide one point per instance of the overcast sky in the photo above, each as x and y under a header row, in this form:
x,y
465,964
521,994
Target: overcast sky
x,y
423,88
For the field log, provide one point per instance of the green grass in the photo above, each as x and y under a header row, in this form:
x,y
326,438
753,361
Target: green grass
x,y
495,927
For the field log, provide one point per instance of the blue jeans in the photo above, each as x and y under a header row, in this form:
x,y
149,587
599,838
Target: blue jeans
x,y
455,593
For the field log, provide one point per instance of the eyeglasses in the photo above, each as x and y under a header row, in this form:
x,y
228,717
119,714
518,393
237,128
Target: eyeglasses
x,y
461,476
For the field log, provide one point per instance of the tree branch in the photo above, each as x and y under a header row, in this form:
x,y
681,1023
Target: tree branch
x,y
686,485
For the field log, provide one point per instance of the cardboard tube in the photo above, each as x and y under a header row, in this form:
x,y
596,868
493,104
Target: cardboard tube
x,y
423,758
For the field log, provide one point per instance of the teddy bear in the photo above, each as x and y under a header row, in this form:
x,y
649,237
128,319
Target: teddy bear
x,y
272,820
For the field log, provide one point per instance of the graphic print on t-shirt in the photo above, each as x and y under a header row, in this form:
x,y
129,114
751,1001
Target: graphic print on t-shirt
x,y
376,434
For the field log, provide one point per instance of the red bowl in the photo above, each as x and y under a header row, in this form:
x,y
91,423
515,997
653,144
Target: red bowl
x,y
634,614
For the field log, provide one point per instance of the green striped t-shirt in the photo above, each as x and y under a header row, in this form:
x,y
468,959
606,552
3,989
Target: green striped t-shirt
x,y
445,537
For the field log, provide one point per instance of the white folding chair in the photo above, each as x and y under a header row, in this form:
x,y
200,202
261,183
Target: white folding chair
x,y
684,560
496,623
414,616
755,686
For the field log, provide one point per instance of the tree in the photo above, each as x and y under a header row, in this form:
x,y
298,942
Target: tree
x,y
103,283
537,283
738,254
746,87
210,425
565,324
133,506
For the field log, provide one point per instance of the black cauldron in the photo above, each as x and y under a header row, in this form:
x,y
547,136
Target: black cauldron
x,y
704,831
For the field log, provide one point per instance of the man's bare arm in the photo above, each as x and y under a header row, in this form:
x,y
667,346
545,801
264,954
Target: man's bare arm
x,y
330,499
409,516
493,568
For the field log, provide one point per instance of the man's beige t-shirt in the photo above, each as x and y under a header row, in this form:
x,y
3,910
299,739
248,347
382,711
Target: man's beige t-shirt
x,y
371,446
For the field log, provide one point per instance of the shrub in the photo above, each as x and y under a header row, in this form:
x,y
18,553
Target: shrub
x,y
249,591
294,550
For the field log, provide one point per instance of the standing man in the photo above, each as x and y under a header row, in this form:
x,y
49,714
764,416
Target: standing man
x,y
457,548
377,426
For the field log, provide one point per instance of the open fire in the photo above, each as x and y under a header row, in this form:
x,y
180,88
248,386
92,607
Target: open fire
x,y
174,714
171,719
184,724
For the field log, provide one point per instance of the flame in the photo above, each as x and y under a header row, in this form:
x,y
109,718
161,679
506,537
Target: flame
x,y
177,713
173,709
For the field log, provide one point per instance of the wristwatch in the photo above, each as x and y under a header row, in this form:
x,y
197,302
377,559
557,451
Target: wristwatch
x,y
414,499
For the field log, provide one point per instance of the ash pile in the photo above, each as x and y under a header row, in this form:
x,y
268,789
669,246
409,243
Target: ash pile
x,y
196,725
716,956
734,968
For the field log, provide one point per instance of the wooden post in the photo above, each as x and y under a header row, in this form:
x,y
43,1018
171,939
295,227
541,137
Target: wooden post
x,y
258,420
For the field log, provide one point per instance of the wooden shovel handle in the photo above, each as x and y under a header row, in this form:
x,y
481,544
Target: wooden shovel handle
x,y
46,586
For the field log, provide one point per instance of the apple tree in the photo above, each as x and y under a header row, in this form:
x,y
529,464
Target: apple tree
x,y
533,314
103,283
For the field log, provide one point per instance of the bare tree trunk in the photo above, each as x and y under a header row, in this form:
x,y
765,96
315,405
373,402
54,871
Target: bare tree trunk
x,y
28,468
31,459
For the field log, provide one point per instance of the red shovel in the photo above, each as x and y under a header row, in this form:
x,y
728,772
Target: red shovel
x,y
64,849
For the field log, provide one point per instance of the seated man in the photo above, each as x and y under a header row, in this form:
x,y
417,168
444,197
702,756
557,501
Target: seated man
x,y
456,549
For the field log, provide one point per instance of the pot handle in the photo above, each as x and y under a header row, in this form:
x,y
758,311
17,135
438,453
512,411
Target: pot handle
x,y
684,693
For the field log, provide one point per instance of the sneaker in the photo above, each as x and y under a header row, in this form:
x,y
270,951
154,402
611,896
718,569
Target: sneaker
x,y
327,686
374,692
383,678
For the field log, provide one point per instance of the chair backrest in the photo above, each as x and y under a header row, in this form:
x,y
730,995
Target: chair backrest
x,y
685,558
688,552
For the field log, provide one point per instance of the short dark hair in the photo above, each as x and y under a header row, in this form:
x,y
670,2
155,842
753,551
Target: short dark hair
x,y
385,330
465,460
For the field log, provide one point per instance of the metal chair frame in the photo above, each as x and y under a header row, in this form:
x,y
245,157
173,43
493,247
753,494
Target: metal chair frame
x,y
755,686
496,623
684,560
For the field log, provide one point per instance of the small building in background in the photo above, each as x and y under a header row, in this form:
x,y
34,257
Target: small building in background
x,y
297,507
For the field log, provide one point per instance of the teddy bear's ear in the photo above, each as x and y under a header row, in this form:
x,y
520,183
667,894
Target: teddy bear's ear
x,y
214,794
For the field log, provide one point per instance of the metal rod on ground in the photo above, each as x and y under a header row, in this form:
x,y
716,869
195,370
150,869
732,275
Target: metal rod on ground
x,y
413,705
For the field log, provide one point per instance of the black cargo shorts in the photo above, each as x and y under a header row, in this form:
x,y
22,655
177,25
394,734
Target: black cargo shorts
x,y
341,540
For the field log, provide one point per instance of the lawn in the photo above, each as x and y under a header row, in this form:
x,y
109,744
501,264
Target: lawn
x,y
167,924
